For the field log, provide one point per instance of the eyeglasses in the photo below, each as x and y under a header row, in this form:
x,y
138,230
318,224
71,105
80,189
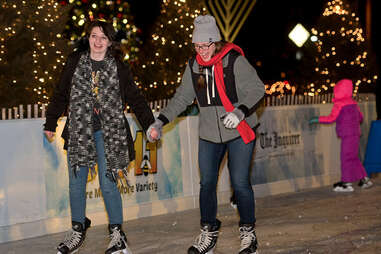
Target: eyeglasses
x,y
203,47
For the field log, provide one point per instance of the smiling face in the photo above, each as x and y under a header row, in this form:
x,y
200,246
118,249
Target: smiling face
x,y
98,43
205,50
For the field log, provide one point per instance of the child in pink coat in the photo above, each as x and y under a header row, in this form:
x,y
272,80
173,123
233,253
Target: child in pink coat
x,y
347,115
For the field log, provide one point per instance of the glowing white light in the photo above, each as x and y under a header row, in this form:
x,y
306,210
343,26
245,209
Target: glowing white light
x,y
314,38
299,35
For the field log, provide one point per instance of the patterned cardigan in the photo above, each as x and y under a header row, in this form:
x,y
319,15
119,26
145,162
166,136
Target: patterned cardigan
x,y
130,95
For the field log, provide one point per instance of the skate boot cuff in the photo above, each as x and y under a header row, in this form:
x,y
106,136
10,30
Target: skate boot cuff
x,y
114,226
79,227
211,227
248,225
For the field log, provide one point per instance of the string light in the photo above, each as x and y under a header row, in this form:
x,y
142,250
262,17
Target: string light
x,y
163,60
280,88
116,11
338,48
38,19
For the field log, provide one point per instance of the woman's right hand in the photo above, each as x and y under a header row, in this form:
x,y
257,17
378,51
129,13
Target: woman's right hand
x,y
49,134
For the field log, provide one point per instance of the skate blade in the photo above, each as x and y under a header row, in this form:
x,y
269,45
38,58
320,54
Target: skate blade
x,y
59,252
211,251
125,251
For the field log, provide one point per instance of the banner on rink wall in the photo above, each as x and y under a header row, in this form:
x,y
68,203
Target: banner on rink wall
x,y
288,147
151,176
34,174
22,179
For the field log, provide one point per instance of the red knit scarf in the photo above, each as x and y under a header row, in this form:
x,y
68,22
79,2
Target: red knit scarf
x,y
243,128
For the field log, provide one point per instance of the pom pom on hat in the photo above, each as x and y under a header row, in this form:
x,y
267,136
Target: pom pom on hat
x,y
205,29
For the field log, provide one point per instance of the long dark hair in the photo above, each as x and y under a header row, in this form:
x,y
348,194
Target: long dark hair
x,y
107,28
201,79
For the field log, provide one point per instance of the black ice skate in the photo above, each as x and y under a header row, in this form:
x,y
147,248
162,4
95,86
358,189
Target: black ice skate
x,y
206,241
74,238
118,242
248,239
365,183
342,187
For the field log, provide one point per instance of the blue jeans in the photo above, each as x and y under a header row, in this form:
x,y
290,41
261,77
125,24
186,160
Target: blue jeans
x,y
110,192
210,156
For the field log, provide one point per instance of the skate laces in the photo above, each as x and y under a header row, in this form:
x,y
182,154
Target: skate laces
x,y
247,236
116,238
72,239
203,241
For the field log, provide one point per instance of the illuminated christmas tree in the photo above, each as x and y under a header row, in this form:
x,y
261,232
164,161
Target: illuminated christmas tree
x,y
341,51
162,60
116,11
32,50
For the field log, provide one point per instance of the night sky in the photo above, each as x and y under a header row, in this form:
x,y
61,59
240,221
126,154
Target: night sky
x,y
264,35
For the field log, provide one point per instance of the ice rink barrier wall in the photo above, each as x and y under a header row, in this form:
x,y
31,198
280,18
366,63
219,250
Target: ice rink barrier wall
x,y
290,155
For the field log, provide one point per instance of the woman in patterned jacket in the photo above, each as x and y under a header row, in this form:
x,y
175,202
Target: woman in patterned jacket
x,y
95,87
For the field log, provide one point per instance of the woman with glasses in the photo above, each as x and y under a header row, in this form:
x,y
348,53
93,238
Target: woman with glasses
x,y
227,88
95,87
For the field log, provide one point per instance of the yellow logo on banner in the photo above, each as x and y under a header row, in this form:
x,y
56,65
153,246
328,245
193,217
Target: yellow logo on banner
x,y
145,159
146,156
92,174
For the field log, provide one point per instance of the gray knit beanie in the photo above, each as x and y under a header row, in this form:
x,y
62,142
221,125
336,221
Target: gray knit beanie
x,y
205,29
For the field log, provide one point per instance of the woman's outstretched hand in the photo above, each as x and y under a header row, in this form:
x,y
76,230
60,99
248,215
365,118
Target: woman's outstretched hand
x,y
314,120
154,131
49,135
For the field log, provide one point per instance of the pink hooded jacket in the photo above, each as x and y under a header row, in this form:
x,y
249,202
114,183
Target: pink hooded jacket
x,y
345,110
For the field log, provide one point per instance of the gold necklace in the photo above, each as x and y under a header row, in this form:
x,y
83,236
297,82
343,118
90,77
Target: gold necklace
x,y
95,82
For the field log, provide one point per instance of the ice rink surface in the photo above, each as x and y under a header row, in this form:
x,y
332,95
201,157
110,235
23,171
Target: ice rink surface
x,y
311,221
